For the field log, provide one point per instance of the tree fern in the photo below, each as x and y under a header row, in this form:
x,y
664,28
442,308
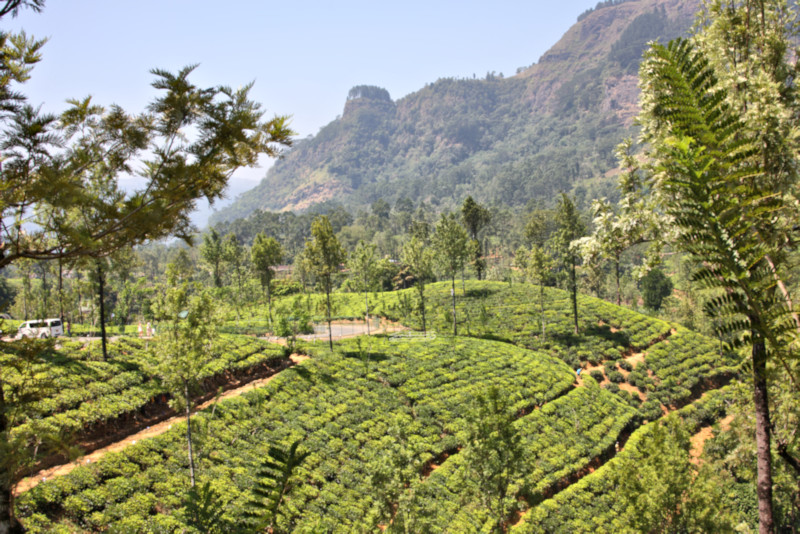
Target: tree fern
x,y
274,482
712,178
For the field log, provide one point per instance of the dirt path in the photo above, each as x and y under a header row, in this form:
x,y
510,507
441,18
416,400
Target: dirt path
x,y
340,329
149,432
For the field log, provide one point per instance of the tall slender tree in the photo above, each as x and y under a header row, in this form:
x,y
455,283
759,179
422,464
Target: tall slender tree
x,y
325,257
418,256
537,269
475,217
212,253
728,197
451,244
266,253
235,256
570,228
364,266
187,333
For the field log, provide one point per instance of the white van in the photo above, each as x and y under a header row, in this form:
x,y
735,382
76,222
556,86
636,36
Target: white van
x,y
42,329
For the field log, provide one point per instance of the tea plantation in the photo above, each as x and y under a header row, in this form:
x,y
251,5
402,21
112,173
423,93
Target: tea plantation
x,y
388,421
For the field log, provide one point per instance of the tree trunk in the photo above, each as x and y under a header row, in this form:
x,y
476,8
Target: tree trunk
x,y
189,430
328,298
453,294
366,303
616,272
541,309
101,289
60,290
269,304
764,467
45,292
574,288
422,305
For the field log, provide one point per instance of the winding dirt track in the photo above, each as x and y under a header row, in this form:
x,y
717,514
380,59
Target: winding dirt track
x,y
340,330
149,432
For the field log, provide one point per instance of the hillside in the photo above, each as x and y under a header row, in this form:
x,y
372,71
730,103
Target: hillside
x,y
551,127
387,420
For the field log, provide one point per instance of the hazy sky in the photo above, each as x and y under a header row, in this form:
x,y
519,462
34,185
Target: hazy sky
x,y
304,56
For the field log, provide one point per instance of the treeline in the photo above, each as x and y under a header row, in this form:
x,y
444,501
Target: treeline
x,y
601,5
496,244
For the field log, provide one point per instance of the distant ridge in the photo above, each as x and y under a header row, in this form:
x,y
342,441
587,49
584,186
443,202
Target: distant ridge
x,y
550,128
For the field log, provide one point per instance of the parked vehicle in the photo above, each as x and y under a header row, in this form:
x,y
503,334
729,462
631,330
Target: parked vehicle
x,y
42,329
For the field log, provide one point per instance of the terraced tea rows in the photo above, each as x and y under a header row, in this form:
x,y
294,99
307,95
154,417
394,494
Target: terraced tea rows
x,y
384,421
349,411
88,397
592,504
563,438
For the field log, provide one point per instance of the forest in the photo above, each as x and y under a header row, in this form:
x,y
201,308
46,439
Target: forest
x,y
577,362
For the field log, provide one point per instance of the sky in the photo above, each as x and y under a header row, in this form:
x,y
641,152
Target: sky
x,y
304,56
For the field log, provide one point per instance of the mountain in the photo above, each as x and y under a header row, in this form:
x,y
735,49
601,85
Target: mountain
x,y
550,128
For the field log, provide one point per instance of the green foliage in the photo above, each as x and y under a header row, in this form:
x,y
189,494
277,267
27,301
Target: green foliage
x,y
324,256
450,244
204,510
644,488
90,213
345,416
655,288
83,392
419,258
213,254
493,454
274,483
7,295
324,252
725,157
377,432
265,254
570,228
703,162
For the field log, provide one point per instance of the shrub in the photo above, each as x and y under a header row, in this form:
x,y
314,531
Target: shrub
x,y
651,410
616,377
282,288
597,374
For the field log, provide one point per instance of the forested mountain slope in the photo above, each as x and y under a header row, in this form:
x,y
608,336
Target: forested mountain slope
x,y
551,127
